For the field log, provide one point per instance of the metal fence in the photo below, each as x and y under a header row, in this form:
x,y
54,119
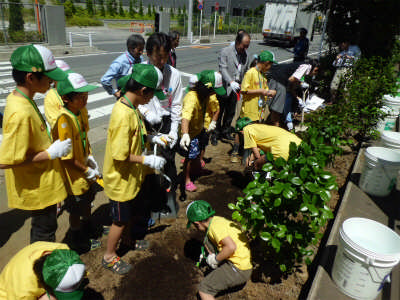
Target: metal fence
x,y
19,23
223,25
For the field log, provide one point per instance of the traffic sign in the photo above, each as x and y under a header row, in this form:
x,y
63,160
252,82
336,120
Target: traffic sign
x,y
216,5
200,6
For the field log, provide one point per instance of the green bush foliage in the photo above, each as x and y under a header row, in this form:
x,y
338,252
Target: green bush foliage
x,y
25,36
288,208
83,21
16,20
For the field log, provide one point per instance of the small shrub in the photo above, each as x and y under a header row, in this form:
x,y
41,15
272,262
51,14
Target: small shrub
x,y
83,21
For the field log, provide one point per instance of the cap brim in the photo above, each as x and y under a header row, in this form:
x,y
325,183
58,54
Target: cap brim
x,y
189,223
220,91
159,94
86,88
57,74
75,295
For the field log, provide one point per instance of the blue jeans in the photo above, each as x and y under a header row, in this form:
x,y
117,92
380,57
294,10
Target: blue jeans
x,y
287,109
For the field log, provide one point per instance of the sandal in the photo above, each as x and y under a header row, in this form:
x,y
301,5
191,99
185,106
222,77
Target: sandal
x,y
190,187
202,163
117,265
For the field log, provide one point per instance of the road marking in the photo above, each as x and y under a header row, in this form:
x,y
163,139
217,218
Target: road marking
x,y
201,47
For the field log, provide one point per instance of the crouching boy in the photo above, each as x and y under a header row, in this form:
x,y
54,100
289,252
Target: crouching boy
x,y
227,246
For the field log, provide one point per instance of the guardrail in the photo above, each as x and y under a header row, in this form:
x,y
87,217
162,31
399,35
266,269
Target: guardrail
x,y
82,34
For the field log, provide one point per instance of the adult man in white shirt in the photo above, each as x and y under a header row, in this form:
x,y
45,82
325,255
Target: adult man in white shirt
x,y
164,115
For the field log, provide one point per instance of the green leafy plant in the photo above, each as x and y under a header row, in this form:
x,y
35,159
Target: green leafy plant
x,y
287,208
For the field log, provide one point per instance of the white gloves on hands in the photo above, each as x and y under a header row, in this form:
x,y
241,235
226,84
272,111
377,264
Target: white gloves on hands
x,y
212,261
152,118
154,162
172,138
212,125
161,139
235,86
185,141
90,174
91,162
59,148
305,85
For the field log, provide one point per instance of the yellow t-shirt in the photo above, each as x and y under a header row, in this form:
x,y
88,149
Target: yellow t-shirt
x,y
122,179
252,80
221,228
269,139
212,107
193,111
67,127
53,106
35,185
18,280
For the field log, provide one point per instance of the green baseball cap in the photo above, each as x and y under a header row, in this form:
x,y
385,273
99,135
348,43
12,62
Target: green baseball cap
x,y
147,75
242,122
199,210
63,271
212,79
36,58
74,83
267,56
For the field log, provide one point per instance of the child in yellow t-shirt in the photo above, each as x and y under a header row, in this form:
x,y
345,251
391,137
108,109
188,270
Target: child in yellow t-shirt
x,y
43,271
33,172
266,138
81,169
194,108
125,163
228,251
255,93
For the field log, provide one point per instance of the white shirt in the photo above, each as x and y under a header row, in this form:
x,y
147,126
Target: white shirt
x,y
302,70
172,105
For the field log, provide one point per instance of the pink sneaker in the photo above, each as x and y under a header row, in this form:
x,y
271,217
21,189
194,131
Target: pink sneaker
x,y
182,160
190,187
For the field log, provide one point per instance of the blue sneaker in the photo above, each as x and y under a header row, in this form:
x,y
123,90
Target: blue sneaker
x,y
151,223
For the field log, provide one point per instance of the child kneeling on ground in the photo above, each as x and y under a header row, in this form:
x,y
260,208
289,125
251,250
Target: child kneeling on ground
x,y
195,104
81,169
228,250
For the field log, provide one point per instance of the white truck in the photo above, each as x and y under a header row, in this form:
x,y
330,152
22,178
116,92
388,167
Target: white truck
x,y
283,20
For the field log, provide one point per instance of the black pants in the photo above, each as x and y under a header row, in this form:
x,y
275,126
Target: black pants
x,y
227,110
44,224
168,153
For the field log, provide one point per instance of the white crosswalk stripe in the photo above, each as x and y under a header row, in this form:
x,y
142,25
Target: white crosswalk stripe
x,y
98,96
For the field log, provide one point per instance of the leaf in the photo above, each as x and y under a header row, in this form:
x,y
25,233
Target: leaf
x,y
312,161
308,261
276,244
303,173
256,175
296,181
298,236
258,192
277,188
269,156
303,208
267,167
282,267
266,236
326,175
289,238
312,187
277,202
325,195
288,193
280,234
232,206
280,162
252,184
236,216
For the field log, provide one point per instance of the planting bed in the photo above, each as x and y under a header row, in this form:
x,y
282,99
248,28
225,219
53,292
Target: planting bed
x,y
165,272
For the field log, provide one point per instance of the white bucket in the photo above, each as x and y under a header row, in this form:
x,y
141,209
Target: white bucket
x,y
390,140
392,102
389,123
380,170
367,253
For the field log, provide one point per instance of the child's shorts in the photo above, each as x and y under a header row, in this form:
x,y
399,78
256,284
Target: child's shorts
x,y
76,204
122,211
224,277
195,147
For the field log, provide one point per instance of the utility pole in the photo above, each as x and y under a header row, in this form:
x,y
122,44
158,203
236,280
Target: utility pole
x,y
190,15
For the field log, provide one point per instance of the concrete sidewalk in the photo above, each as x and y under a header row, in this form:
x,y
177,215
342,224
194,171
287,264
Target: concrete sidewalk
x,y
356,203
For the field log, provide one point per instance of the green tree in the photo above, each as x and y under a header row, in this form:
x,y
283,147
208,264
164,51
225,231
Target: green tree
x,y
171,12
89,7
110,10
16,19
102,9
121,9
369,23
131,10
161,8
154,10
68,8
141,8
149,12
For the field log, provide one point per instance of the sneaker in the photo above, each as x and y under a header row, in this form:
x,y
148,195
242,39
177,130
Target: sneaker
x,y
190,187
235,158
151,223
94,244
202,163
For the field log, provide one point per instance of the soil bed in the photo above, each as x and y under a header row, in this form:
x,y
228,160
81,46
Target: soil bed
x,y
164,272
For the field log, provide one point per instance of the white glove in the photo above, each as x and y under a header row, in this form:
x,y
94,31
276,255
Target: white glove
x,y
212,261
152,117
59,148
235,86
90,174
91,162
212,125
160,140
185,141
172,138
305,85
154,162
